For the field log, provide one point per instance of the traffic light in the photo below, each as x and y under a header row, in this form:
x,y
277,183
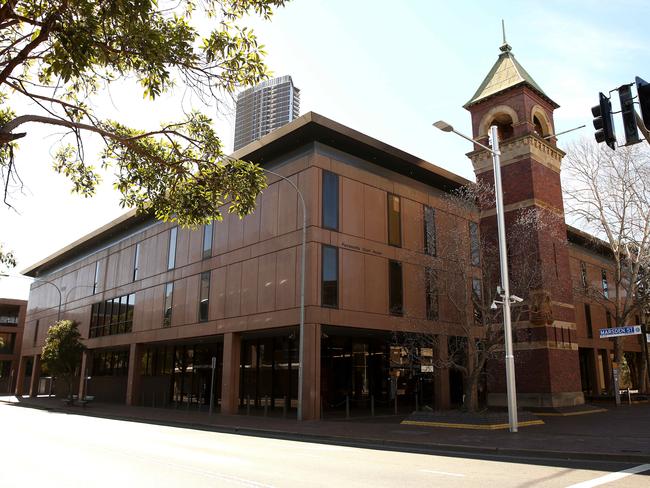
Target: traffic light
x,y
643,90
604,122
629,115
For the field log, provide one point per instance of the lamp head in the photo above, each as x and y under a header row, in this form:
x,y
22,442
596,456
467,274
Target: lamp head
x,y
443,126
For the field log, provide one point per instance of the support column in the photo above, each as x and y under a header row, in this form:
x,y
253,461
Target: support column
x,y
230,373
83,372
441,379
36,375
596,387
20,376
311,405
134,375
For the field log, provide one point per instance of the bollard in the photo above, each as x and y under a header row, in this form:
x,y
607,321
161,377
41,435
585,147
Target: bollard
x,y
347,407
266,405
284,408
248,404
372,405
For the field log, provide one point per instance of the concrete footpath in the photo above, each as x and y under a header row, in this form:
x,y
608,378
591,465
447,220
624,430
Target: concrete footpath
x,y
617,434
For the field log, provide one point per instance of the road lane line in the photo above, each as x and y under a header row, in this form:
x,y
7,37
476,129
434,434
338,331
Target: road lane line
x,y
442,472
612,477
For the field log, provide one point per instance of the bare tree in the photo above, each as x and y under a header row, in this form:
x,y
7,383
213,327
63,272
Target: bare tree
x,y
608,195
462,292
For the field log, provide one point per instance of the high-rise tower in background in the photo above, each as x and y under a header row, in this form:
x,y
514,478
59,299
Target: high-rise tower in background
x,y
264,108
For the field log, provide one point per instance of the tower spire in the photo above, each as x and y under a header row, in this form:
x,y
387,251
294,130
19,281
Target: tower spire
x,y
505,47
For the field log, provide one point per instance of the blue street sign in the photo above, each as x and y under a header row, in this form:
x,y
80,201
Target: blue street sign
x,y
620,331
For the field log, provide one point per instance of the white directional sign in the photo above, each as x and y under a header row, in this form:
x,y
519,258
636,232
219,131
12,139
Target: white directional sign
x,y
620,331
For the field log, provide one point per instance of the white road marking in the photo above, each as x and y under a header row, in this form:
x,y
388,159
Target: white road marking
x,y
612,477
442,472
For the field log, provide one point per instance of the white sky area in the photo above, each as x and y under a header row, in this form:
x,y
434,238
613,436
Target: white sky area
x,y
387,69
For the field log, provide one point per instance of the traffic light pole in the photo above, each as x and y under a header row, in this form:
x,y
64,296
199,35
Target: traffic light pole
x,y
644,130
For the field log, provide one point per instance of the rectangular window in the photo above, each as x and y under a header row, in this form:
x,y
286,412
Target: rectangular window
x,y
204,300
608,319
136,262
96,280
590,331
113,316
429,231
474,244
431,293
38,323
330,200
583,274
603,276
330,277
169,293
395,290
477,300
394,221
207,241
171,253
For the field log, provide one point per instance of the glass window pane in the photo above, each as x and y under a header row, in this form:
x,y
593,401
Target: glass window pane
x,y
475,251
330,200
171,254
394,221
330,278
136,262
205,296
396,302
431,294
429,231
167,317
207,241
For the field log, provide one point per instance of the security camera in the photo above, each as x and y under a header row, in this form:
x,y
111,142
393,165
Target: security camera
x,y
494,306
515,298
499,290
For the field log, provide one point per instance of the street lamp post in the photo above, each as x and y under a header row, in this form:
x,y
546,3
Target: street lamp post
x,y
511,388
34,280
301,346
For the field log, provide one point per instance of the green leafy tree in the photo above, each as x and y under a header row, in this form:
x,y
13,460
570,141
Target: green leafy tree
x,y
62,351
57,56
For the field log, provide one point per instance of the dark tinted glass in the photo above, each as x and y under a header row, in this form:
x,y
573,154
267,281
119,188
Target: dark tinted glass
x,y
396,299
330,200
330,280
475,251
207,241
429,231
394,221
205,295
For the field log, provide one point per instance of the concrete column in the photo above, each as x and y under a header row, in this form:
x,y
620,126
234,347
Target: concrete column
x,y
134,376
83,372
311,404
230,373
441,378
36,375
20,376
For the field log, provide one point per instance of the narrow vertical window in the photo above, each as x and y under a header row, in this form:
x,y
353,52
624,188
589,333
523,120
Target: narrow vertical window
x,y
171,254
167,314
394,221
431,282
429,231
36,327
204,300
96,280
330,277
608,319
330,209
477,300
590,331
207,241
136,262
583,274
603,276
475,248
395,290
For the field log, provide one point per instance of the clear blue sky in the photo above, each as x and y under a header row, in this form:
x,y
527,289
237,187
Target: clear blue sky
x,y
386,68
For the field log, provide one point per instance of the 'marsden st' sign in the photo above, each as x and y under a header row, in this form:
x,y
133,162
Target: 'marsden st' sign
x,y
620,331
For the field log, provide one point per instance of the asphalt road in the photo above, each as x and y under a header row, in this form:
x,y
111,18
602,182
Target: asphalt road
x,y
56,449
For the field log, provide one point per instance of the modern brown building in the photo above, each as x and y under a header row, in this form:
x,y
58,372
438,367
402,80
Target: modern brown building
x,y
157,302
12,324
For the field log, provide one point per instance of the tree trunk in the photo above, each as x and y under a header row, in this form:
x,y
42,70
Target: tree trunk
x,y
471,400
618,349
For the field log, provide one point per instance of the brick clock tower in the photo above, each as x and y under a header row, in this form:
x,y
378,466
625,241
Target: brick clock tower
x,y
544,330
